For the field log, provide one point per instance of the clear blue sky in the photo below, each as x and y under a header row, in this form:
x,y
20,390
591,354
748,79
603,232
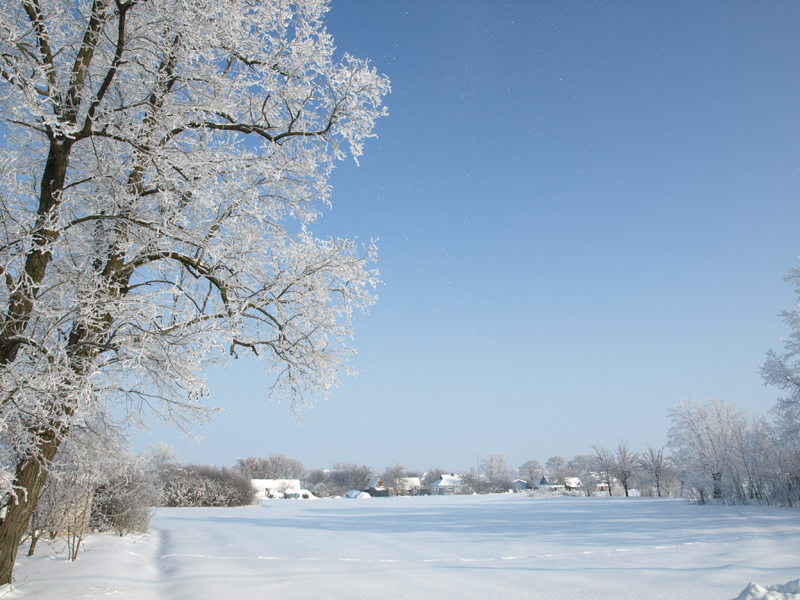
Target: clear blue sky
x,y
583,210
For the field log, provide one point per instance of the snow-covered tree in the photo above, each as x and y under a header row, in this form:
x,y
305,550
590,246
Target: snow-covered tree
x,y
470,482
722,455
495,472
277,466
531,471
394,477
782,369
160,163
605,465
557,469
254,467
717,446
348,476
656,470
626,464
286,467
784,437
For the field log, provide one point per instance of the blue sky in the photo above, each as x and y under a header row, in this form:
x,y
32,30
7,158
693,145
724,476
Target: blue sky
x,y
583,211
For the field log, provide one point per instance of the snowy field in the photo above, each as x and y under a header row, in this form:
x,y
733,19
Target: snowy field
x,y
464,547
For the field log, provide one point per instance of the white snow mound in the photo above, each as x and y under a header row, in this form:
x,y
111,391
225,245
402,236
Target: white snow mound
x,y
357,494
790,591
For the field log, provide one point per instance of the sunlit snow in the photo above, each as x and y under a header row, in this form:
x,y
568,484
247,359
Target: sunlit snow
x,y
462,547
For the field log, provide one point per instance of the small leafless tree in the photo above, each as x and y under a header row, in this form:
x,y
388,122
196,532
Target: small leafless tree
x,y
557,469
626,464
394,478
656,466
496,473
605,465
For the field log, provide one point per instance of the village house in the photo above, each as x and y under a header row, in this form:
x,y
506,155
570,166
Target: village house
x,y
446,485
408,486
519,485
376,487
320,490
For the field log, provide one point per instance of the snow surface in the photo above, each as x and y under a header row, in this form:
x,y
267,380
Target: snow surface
x,y
461,547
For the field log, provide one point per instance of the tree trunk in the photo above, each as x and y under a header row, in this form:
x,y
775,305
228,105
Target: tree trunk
x,y
32,473
31,476
717,478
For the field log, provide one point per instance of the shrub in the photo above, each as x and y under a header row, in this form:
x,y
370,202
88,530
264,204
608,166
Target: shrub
x,y
124,504
206,485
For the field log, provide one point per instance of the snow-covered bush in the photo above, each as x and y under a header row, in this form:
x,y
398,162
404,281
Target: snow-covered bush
x,y
64,506
125,504
94,483
205,485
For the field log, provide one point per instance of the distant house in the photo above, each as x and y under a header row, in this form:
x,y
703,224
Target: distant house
x,y
321,490
519,485
376,487
602,486
446,485
408,486
549,487
572,484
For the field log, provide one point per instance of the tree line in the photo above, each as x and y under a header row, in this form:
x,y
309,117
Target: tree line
x,y
619,470
714,453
